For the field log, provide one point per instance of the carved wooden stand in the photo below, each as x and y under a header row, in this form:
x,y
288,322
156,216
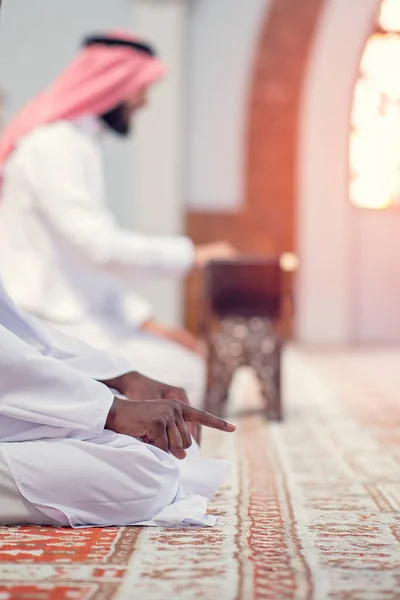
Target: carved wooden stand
x,y
242,302
245,341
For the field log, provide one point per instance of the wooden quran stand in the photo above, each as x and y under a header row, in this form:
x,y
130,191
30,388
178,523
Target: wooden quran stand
x,y
242,300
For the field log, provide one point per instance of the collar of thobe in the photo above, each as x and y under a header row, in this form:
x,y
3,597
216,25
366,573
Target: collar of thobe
x,y
89,125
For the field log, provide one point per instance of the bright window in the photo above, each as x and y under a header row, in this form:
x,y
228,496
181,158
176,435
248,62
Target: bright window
x,y
375,137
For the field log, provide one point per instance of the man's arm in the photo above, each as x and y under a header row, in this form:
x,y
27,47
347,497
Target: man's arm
x,y
41,390
109,368
63,166
97,364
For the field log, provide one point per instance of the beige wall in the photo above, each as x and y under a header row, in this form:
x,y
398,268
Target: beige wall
x,y
222,44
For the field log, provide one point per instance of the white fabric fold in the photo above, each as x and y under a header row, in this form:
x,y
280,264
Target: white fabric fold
x,y
63,461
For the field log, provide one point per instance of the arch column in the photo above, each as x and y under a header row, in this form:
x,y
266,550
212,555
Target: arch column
x,y
325,231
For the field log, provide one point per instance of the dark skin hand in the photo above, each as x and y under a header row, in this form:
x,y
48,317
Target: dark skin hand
x,y
179,336
162,423
137,387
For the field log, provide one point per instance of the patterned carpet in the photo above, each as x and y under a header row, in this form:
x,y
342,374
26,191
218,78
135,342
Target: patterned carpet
x,y
310,510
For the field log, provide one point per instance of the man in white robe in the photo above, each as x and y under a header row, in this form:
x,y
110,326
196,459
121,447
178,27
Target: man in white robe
x,y
74,454
62,256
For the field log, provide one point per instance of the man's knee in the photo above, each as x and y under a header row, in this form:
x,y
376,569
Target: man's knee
x,y
160,489
145,482
15,509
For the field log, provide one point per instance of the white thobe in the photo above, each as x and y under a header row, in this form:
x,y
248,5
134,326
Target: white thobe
x,y
64,259
63,461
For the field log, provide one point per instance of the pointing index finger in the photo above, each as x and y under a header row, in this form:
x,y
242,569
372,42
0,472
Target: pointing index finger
x,y
200,417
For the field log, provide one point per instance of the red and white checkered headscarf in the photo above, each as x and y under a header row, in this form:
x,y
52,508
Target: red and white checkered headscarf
x,y
100,78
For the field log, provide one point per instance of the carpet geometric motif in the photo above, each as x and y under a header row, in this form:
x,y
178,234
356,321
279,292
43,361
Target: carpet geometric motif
x,y
310,510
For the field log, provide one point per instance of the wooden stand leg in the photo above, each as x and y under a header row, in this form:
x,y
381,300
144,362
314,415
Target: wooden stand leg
x,y
245,341
268,368
218,387
225,356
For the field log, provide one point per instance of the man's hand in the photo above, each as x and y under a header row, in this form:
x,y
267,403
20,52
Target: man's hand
x,y
179,336
163,423
137,387
216,251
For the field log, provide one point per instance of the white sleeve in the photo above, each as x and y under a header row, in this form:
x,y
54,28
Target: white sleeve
x,y
68,201
42,390
49,342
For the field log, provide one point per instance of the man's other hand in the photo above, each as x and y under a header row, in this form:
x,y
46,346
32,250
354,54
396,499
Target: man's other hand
x,y
179,336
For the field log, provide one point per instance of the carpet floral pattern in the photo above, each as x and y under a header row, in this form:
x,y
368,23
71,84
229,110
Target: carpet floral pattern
x,y
310,510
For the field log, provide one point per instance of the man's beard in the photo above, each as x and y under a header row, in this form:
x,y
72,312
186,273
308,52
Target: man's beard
x,y
117,120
